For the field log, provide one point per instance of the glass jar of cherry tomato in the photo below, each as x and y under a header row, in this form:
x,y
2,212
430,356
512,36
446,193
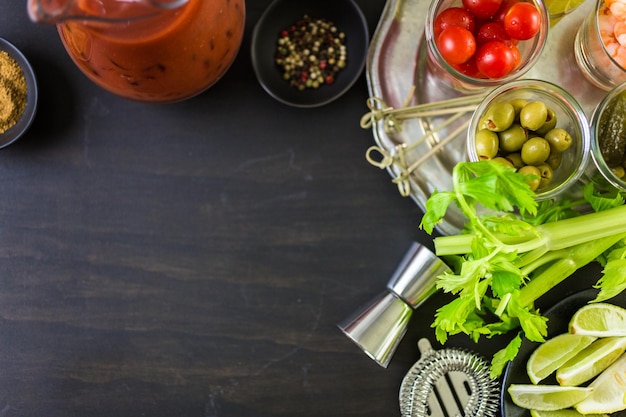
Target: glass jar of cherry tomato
x,y
478,44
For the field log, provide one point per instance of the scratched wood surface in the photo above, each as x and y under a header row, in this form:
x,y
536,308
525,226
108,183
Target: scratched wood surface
x,y
191,259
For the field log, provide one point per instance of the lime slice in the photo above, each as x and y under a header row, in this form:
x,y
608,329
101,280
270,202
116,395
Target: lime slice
x,y
591,361
547,397
554,353
569,412
599,319
561,7
609,391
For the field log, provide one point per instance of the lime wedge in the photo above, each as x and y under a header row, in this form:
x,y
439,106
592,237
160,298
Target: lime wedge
x,y
554,353
561,7
609,391
591,361
547,397
568,412
600,320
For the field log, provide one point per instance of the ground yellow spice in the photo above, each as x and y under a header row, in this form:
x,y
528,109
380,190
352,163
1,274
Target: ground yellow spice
x,y
12,92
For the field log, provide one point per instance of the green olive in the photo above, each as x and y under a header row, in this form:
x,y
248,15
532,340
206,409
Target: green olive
x,y
533,115
498,117
518,104
516,159
486,144
559,139
503,161
546,173
618,171
513,138
549,124
554,160
535,151
533,176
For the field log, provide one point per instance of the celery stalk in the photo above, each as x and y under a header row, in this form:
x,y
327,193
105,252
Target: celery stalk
x,y
573,259
553,236
511,259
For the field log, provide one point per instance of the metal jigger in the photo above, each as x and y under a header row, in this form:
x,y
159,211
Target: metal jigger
x,y
379,326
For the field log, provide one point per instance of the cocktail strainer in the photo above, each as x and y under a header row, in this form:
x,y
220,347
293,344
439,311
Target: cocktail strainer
x,y
448,383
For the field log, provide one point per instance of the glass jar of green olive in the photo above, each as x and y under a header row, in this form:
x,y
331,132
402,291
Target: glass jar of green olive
x,y
536,128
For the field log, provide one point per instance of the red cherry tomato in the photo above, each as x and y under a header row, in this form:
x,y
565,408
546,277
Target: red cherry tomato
x,y
468,68
456,44
492,31
482,8
522,21
504,8
517,56
495,59
453,16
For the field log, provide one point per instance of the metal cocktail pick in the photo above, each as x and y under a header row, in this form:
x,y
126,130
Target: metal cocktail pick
x,y
378,327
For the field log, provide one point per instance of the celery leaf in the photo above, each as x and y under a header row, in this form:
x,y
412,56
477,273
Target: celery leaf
x,y
534,325
503,356
602,200
496,187
436,207
465,281
613,281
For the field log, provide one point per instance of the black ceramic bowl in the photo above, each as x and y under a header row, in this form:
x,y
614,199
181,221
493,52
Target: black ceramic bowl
x,y
558,319
281,14
22,125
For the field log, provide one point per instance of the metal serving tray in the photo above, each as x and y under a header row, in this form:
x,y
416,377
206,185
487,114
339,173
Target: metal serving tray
x,y
396,64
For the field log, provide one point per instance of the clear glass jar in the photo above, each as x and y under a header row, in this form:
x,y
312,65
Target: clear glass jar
x,y
592,57
570,116
530,51
600,172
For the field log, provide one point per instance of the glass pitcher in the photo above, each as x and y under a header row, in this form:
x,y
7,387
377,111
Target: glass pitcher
x,y
148,50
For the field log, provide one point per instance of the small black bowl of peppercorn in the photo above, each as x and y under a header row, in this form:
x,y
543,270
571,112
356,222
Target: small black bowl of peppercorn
x,y
18,93
307,53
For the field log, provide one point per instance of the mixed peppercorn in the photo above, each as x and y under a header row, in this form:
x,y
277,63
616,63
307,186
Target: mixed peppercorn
x,y
311,52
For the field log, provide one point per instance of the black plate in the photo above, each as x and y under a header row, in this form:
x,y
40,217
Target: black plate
x,y
282,14
32,95
558,320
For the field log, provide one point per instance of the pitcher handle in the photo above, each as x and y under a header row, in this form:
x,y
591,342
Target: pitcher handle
x,y
55,11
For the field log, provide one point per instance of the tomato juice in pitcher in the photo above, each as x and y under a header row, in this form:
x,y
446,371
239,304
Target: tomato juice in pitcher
x,y
148,50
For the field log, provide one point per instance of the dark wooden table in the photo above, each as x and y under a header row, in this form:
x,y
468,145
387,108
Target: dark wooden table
x,y
193,259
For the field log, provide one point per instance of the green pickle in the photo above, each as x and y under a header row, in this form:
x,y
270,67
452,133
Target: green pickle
x,y
612,131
